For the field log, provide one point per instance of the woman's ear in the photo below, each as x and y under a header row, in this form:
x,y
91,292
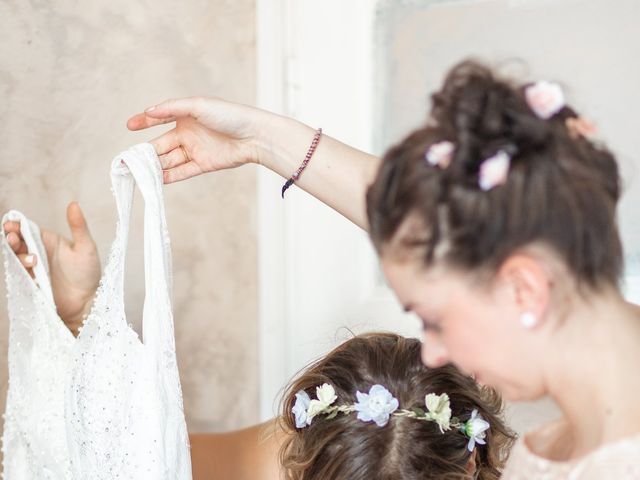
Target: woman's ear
x,y
528,282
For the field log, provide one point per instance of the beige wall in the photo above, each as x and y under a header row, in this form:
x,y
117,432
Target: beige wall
x,y
70,75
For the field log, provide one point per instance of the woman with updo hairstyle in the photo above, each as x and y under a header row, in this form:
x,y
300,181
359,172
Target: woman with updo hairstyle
x,y
345,447
496,221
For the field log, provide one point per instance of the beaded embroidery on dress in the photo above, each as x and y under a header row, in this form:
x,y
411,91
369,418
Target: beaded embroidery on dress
x,y
34,442
104,405
124,402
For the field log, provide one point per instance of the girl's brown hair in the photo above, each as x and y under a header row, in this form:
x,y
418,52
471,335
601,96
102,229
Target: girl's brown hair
x,y
561,190
347,448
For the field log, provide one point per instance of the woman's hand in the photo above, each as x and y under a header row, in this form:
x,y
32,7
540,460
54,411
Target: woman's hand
x,y
209,134
74,265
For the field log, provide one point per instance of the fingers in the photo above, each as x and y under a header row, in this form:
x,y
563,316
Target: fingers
x,y
28,260
11,226
166,142
78,225
17,244
166,112
181,172
181,107
141,121
174,158
14,237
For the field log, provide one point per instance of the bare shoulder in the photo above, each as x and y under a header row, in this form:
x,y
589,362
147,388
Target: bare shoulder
x,y
250,453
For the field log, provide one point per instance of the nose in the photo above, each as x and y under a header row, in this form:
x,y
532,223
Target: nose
x,y
434,353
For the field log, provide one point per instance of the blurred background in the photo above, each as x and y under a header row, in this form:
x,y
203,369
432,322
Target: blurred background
x,y
263,286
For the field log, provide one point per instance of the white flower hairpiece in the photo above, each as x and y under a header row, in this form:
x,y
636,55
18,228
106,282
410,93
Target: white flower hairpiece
x,y
439,410
379,405
440,154
545,98
376,406
475,429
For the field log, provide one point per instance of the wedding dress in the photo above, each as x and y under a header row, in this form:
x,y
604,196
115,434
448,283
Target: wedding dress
x,y
34,442
122,408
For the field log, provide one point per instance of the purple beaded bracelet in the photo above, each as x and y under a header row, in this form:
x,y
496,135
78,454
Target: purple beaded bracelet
x,y
305,162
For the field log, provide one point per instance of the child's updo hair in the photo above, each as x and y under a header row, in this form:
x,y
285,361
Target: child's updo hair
x,y
405,448
561,190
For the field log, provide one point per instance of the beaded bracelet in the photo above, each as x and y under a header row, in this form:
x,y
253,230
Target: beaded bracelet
x,y
305,162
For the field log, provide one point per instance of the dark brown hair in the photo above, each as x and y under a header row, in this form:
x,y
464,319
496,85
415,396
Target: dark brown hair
x,y
347,448
561,190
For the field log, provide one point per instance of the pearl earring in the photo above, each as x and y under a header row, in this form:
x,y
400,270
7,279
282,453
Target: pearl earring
x,y
528,320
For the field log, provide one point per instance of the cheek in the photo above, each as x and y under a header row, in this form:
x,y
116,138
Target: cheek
x,y
472,334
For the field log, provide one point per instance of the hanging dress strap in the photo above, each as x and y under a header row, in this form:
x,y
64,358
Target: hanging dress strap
x,y
140,165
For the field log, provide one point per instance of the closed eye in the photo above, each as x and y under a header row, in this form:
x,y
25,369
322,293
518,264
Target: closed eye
x,y
429,325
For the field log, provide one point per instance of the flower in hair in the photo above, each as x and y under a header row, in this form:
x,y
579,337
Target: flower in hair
x,y
376,406
440,154
475,428
326,396
299,410
494,170
545,99
379,405
439,409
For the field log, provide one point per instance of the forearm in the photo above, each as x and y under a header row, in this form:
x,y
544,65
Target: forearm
x,y
337,174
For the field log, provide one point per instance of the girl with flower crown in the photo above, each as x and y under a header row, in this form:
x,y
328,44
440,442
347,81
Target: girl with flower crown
x,y
368,410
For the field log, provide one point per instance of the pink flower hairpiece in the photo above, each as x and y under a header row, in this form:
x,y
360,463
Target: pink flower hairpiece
x,y
440,154
545,98
494,170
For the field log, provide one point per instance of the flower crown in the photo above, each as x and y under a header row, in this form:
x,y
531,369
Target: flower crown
x,y
545,99
379,405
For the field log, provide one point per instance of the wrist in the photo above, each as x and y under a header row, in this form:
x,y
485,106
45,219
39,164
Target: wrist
x,y
281,143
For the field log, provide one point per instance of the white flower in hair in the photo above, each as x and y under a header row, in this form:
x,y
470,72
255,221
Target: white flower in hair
x,y
494,170
326,396
440,154
376,406
299,410
545,98
439,409
475,428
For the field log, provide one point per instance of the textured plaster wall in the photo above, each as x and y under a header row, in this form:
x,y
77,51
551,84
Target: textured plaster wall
x,y
70,75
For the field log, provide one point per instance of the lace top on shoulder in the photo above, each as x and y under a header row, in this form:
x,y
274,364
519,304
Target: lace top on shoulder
x,y
617,460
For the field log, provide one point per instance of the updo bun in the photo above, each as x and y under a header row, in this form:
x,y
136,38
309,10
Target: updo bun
x,y
561,190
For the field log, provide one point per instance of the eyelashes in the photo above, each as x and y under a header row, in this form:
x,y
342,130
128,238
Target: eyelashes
x,y
430,325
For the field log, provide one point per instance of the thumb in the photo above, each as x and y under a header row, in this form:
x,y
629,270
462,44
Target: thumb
x,y
80,234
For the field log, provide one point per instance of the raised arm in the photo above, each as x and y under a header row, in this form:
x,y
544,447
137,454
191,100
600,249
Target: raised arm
x,y
212,134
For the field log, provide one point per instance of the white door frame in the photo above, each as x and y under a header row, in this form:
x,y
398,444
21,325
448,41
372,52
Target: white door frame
x,y
317,271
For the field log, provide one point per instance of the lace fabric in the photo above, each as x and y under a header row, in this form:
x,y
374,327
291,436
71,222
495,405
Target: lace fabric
x,y
617,460
119,407
34,442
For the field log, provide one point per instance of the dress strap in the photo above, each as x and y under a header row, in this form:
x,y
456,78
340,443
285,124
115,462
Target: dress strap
x,y
140,165
31,235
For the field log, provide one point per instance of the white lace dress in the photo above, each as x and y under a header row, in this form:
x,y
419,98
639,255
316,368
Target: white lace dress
x,y
117,399
34,442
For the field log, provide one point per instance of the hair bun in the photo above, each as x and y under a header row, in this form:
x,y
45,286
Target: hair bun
x,y
482,114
